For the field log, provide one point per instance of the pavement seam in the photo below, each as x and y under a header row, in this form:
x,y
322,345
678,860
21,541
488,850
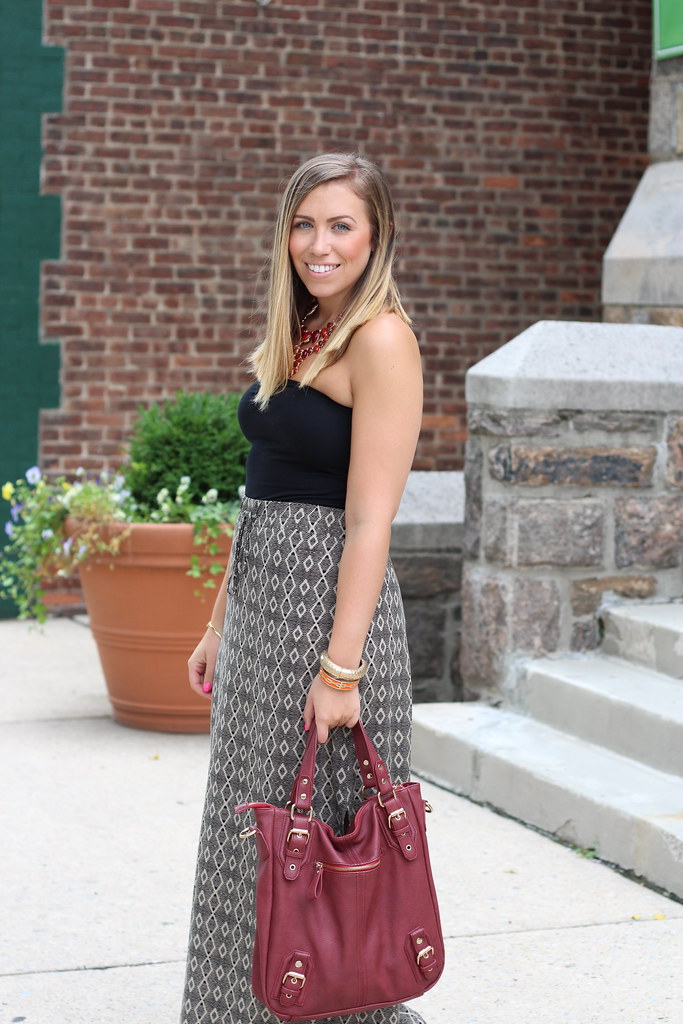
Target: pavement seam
x,y
54,718
559,928
447,938
97,967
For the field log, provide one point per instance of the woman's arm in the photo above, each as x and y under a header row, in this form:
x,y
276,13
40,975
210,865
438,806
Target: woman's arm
x,y
386,381
202,662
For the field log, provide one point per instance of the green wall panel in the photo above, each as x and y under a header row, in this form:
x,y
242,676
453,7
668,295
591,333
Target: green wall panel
x,y
31,80
668,28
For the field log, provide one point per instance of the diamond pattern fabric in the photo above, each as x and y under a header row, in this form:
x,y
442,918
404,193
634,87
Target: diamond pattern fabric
x,y
281,596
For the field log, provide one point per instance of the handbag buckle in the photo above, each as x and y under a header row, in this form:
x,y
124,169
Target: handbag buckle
x,y
424,952
298,832
395,814
302,977
294,810
393,789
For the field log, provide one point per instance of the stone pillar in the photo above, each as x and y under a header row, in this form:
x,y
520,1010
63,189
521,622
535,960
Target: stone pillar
x,y
643,265
665,140
574,489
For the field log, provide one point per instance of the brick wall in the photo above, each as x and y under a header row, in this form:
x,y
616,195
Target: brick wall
x,y
514,135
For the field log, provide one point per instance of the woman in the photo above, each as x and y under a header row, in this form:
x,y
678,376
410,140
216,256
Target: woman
x,y
333,418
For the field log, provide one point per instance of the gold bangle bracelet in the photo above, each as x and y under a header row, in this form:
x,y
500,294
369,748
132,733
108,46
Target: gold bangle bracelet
x,y
346,675
211,626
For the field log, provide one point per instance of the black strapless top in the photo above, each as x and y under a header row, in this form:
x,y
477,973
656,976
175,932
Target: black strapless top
x,y
300,446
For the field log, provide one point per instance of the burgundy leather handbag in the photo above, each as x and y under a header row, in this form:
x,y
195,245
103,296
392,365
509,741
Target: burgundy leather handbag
x,y
344,923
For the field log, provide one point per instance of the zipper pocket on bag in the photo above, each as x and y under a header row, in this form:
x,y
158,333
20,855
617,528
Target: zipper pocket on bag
x,y
321,867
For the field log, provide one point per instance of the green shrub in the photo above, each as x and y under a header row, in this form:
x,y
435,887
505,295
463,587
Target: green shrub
x,y
194,434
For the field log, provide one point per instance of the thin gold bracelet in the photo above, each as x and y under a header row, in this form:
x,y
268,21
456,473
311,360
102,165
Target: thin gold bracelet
x,y
210,625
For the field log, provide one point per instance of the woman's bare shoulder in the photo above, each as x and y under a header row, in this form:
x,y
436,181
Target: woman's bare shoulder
x,y
385,335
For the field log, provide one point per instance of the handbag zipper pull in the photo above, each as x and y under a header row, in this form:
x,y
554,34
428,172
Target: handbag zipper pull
x,y
316,886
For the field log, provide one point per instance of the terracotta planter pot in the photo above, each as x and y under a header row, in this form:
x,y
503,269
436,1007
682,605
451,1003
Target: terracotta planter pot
x,y
147,621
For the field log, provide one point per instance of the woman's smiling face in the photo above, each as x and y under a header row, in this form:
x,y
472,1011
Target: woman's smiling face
x,y
330,243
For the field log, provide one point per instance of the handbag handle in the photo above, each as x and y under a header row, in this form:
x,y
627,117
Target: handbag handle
x,y
372,768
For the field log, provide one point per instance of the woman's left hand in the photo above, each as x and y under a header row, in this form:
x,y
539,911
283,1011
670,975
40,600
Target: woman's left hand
x,y
330,708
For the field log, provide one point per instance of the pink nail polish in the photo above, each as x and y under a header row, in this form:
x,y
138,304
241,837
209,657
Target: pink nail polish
x,y
305,727
206,687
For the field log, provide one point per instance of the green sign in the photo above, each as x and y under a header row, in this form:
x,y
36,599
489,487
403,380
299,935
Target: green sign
x,y
668,28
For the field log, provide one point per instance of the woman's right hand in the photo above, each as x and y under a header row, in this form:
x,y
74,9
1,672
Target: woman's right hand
x,y
202,663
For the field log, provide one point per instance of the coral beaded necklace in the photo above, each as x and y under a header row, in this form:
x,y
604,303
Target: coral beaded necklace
x,y
312,341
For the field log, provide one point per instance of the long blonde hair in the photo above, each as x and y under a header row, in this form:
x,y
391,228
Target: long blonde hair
x,y
289,300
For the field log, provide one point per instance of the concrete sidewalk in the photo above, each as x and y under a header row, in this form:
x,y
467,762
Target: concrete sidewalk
x,y
99,827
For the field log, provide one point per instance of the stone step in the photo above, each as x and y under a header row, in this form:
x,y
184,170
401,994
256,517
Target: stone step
x,y
629,813
610,702
646,634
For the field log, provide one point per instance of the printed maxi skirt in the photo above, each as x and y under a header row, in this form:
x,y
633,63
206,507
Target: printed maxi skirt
x,y
281,596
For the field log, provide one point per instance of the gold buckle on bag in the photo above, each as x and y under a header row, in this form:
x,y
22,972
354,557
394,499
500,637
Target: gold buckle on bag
x,y
396,814
298,832
299,977
294,810
424,952
393,788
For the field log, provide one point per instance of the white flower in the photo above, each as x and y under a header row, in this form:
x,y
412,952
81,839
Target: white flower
x,y
210,497
33,475
46,534
68,496
162,495
182,487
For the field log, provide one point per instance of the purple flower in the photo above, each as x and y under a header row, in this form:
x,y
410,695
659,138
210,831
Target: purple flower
x,y
66,546
33,475
9,529
14,512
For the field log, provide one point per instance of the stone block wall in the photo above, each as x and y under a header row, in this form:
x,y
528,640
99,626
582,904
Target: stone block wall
x,y
426,551
566,504
430,584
